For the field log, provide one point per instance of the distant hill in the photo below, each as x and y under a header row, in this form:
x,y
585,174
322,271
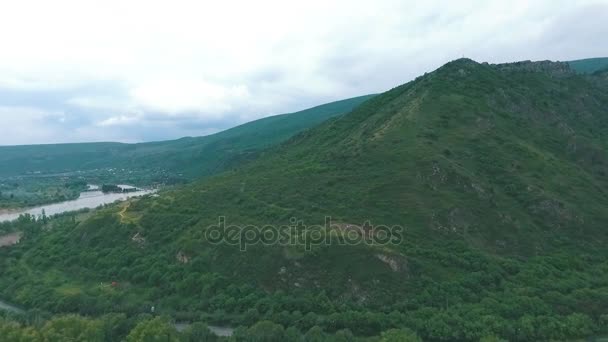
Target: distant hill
x,y
589,65
185,158
497,173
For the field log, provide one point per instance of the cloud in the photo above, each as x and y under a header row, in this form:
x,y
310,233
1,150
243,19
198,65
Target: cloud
x,y
179,96
121,120
19,124
145,70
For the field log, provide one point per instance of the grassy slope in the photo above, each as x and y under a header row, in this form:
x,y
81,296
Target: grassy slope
x,y
193,157
498,173
589,65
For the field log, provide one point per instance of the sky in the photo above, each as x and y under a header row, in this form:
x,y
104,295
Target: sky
x,y
132,71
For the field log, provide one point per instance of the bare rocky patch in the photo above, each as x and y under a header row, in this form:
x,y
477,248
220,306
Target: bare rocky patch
x,y
10,239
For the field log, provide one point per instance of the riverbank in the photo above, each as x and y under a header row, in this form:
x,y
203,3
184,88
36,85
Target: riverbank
x,y
86,200
6,211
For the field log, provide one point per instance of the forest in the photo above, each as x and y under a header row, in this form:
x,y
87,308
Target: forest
x,y
536,299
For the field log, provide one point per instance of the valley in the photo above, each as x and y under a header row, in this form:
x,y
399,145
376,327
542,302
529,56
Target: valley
x,y
35,175
85,200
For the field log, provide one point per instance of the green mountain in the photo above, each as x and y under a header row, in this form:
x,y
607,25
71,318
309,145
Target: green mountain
x,y
185,158
590,65
496,175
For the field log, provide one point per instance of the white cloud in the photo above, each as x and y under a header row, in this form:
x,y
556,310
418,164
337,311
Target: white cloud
x,y
178,96
215,64
121,120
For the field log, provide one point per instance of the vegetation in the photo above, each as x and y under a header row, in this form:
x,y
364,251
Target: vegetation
x,y
40,174
167,161
589,65
32,191
145,328
116,188
497,172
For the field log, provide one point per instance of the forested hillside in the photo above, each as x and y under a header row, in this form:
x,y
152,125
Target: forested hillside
x,y
185,158
589,65
496,173
40,174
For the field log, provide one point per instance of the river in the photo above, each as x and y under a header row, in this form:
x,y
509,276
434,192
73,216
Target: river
x,y
87,199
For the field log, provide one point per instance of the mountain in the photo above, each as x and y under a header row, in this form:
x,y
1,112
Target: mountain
x,y
490,181
185,158
589,65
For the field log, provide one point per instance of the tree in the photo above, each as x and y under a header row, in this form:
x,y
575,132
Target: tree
x,y
157,329
72,328
491,338
292,334
14,332
315,334
198,332
579,325
344,336
266,331
399,335
115,326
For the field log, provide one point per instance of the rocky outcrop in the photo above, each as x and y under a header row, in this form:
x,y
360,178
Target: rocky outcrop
x,y
553,68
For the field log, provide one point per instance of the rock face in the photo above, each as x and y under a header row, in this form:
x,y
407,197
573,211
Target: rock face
x,y
10,239
182,257
397,264
139,240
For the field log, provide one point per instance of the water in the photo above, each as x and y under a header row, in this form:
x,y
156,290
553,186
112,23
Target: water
x,y
87,199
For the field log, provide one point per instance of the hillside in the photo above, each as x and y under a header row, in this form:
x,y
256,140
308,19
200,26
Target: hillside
x,y
189,157
497,173
589,65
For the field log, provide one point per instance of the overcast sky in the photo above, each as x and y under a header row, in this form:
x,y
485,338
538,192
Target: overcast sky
x,y
127,70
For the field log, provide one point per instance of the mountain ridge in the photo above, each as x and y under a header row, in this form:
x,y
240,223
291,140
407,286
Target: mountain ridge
x,y
174,155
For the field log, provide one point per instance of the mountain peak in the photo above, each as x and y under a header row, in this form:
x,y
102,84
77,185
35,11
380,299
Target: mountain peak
x,y
460,63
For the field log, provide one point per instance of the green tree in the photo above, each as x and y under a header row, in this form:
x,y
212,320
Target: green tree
x,y
292,334
315,334
399,335
198,332
491,338
266,331
157,329
344,336
115,326
579,325
72,328
14,332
